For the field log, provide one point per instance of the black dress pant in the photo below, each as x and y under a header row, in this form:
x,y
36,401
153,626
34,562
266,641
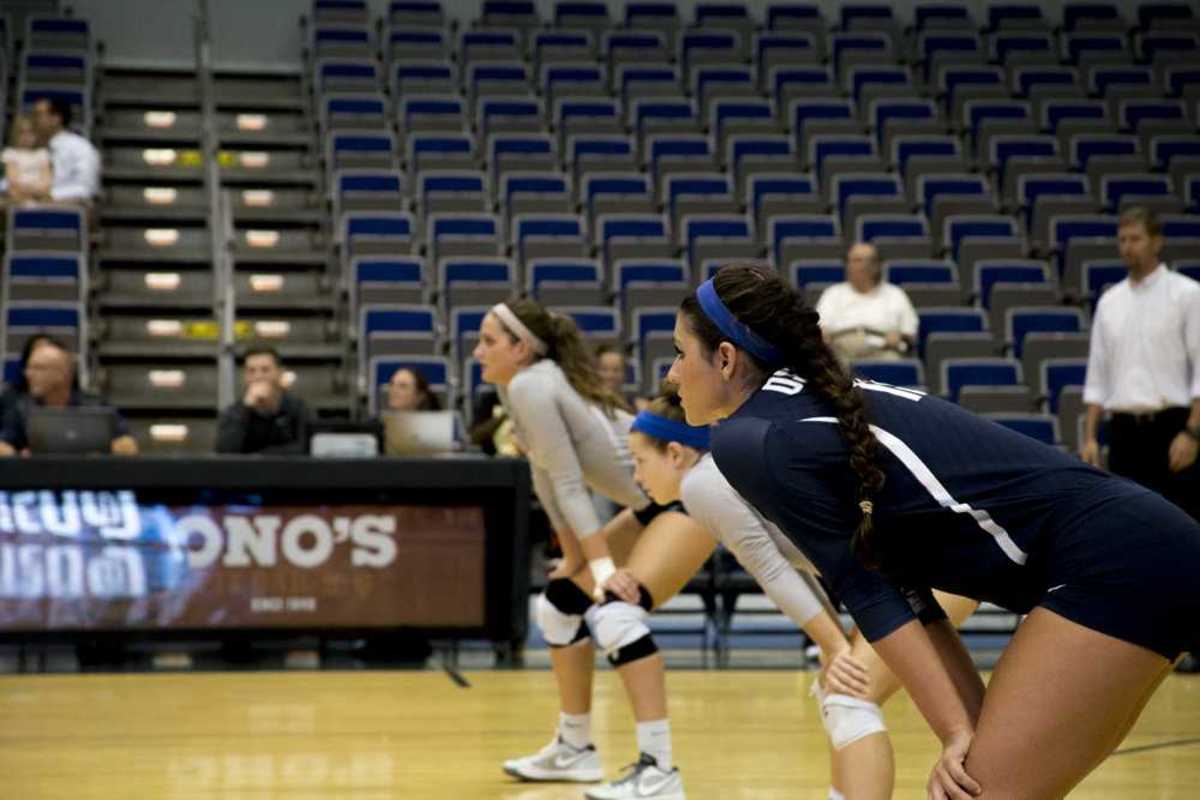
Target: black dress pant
x,y
1139,449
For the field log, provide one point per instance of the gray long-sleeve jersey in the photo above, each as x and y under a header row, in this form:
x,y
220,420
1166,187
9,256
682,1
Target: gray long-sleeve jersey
x,y
758,545
571,445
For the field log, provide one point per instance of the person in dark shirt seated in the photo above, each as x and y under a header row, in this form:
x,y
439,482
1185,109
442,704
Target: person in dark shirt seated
x,y
268,419
50,382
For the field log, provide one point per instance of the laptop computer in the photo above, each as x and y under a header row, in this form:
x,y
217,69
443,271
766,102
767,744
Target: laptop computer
x,y
410,433
345,439
71,431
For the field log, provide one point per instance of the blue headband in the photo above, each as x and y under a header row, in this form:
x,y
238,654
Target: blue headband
x,y
737,332
668,430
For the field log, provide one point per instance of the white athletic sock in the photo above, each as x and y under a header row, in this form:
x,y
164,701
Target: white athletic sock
x,y
834,794
575,729
654,739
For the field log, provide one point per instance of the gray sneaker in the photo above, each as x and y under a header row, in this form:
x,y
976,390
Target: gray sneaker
x,y
645,780
558,761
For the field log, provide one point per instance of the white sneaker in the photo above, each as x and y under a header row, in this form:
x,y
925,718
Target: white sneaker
x,y
645,780
558,761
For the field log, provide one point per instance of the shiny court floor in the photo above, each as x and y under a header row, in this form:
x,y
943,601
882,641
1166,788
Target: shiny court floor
x,y
419,734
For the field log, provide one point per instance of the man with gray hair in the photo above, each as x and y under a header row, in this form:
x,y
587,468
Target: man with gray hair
x,y
1144,369
866,317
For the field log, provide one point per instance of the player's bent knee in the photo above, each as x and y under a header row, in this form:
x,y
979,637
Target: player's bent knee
x,y
559,614
620,630
848,719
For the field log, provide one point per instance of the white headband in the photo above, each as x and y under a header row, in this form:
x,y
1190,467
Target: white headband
x,y
514,324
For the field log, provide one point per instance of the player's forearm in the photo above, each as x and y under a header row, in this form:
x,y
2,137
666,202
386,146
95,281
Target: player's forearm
x,y
910,653
1091,426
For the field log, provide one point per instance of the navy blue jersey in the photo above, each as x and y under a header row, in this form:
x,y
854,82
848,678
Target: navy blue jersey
x,y
966,507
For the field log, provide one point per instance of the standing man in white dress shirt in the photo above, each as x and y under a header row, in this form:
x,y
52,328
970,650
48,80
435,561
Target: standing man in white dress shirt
x,y
1144,369
74,162
866,317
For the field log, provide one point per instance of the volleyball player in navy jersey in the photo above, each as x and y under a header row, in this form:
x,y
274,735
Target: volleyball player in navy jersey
x,y
891,493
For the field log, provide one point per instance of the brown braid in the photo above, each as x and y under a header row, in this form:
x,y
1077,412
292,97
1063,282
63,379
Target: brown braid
x,y
775,311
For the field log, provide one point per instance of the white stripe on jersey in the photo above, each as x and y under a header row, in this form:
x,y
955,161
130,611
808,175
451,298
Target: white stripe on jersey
x,y
925,476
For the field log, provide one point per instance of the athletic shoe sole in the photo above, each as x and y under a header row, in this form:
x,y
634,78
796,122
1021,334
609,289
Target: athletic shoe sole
x,y
558,776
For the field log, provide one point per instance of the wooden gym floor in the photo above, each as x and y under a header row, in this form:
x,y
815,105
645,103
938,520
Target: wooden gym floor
x,y
268,735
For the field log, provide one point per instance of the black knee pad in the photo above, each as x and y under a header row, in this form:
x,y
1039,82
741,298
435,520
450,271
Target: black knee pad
x,y
642,648
565,595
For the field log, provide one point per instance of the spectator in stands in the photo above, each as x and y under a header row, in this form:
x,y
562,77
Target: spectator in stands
x,y
1144,369
269,419
866,317
75,164
20,384
50,382
610,362
408,390
26,164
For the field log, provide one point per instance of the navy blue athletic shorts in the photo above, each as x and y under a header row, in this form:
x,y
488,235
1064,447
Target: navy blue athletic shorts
x,y
1131,570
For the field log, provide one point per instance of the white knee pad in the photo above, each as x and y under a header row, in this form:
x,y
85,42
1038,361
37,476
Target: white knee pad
x,y
847,719
616,625
558,629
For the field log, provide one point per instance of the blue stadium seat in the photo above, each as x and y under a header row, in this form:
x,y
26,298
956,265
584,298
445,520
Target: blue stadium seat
x,y
884,111
432,113
956,81
847,187
1158,47
509,114
1164,15
341,41
630,235
1059,373
497,78
873,46
576,14
1099,275
1029,80
700,46
361,149
615,191
346,75
920,271
549,235
858,78
1118,190
651,15
43,276
991,272
1102,79
623,46
1133,113
1028,46
599,324
423,76
642,282
572,80
1084,147
932,14
813,272
443,150
909,372
1059,184
801,235
475,280
565,281
535,192
1082,48
377,232
418,12
802,112
977,113
932,187
770,190
717,235
368,190
521,151
1090,14
693,151
839,146
407,43
960,372
388,279
936,48
396,329
464,329
1165,149
792,15
562,46
948,320
46,228
764,153
787,82
451,234
1015,15
696,192
25,318
1068,229
1023,321
728,117
452,190
773,50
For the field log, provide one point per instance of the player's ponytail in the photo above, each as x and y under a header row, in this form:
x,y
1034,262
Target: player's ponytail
x,y
565,346
759,299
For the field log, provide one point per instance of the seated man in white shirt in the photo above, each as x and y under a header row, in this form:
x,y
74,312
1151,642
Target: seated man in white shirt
x,y
74,162
866,317
1144,369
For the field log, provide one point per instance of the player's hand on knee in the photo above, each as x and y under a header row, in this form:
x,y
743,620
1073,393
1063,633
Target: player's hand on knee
x,y
949,780
623,585
844,674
